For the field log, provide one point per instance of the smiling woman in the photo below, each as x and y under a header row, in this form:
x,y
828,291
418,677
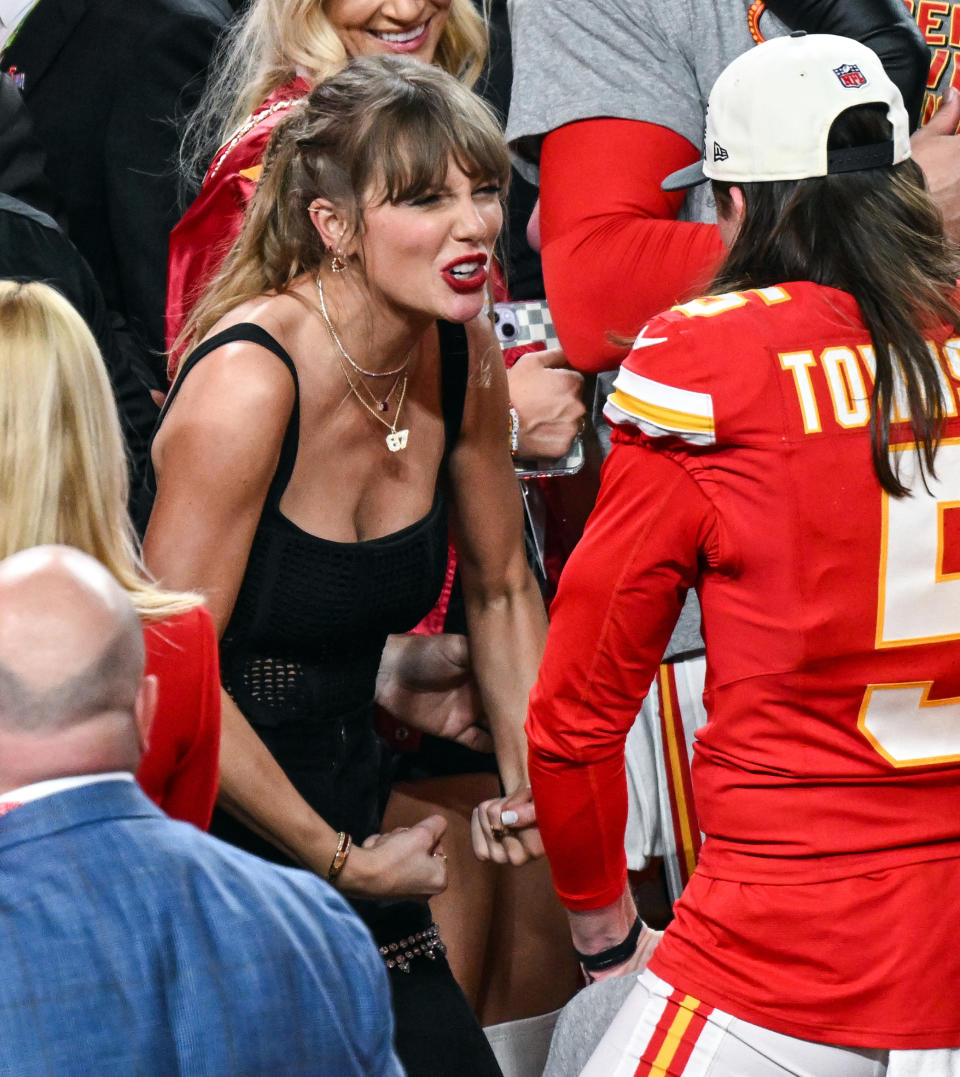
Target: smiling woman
x,y
343,398
367,27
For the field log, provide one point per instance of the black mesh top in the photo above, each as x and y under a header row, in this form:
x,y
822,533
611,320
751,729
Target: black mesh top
x,y
301,651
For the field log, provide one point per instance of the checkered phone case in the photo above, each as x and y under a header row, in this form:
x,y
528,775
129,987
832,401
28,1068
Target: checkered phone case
x,y
524,323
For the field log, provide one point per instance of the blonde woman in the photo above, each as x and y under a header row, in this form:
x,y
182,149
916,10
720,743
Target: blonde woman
x,y
345,397
63,479
274,54
271,58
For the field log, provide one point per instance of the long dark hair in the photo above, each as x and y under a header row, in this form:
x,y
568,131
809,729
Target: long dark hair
x,y
877,235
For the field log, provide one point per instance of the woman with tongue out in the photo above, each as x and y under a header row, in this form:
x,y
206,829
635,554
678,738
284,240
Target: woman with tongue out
x,y
343,399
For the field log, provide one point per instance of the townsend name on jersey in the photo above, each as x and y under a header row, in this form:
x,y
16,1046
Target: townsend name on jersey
x,y
670,384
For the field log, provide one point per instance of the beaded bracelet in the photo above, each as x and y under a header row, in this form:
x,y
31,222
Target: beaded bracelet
x,y
614,955
344,845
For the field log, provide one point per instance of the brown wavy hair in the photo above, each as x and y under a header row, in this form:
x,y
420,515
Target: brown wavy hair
x,y
386,128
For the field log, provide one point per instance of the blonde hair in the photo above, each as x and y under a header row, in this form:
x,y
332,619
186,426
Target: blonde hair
x,y
63,470
385,125
272,40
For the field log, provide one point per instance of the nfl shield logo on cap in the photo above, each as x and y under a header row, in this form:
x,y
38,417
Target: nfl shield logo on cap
x,y
850,76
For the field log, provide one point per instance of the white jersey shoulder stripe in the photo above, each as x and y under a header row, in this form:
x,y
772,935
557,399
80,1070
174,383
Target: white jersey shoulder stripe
x,y
661,410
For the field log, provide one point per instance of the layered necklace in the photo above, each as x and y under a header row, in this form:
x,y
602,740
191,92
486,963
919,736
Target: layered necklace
x,y
395,439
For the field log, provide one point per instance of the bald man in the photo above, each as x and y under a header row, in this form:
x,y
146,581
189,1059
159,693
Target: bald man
x,y
132,943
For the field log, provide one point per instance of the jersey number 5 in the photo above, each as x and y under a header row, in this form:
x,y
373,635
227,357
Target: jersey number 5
x,y
918,602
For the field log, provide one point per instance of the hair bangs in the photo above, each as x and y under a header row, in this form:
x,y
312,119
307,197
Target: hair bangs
x,y
409,148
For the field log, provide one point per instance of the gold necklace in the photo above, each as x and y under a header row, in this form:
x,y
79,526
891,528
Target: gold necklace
x,y
396,439
343,351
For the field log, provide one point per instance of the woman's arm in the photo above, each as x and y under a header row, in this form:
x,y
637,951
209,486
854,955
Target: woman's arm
x,y
179,768
215,456
255,790
505,614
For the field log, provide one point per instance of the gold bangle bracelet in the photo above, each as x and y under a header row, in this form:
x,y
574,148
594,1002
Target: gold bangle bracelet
x,y
344,845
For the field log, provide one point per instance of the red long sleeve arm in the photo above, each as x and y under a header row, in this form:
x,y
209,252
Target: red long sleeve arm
x,y
619,598
613,252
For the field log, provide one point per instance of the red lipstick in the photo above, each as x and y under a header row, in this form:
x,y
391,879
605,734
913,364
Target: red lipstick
x,y
466,274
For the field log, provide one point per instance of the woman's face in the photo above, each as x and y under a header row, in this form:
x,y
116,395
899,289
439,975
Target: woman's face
x,y
431,256
371,27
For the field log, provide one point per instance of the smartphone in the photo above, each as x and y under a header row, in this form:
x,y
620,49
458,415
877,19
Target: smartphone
x,y
568,464
524,323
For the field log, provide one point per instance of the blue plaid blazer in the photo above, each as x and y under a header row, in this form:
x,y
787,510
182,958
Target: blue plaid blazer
x,y
132,944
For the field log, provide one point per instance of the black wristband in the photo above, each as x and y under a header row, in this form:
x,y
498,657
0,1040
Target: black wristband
x,y
616,955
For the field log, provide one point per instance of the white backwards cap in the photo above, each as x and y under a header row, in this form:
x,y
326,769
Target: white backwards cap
x,y
771,110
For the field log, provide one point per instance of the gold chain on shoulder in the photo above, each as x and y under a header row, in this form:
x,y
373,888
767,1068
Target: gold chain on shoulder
x,y
244,129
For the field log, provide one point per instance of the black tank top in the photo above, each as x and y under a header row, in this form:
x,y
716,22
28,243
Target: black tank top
x,y
301,651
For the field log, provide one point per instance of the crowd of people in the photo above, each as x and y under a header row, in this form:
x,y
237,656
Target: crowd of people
x,y
273,608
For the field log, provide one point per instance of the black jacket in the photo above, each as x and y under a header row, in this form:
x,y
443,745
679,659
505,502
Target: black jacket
x,y
32,248
105,81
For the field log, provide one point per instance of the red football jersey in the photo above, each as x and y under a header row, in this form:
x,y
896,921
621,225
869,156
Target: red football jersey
x,y
828,774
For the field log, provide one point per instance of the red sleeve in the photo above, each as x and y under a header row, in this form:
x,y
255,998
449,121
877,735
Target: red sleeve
x,y
613,252
199,243
179,770
206,232
620,595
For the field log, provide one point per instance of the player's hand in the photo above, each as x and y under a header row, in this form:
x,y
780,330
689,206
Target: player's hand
x,y
595,931
936,148
405,863
427,682
546,394
504,829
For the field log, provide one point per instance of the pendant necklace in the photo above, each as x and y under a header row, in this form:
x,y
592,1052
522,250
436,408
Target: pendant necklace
x,y
395,439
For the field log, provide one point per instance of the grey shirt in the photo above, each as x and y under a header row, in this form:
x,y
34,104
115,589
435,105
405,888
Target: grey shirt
x,y
626,59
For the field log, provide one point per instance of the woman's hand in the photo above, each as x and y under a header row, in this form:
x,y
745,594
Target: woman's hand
x,y
404,863
546,394
427,682
504,830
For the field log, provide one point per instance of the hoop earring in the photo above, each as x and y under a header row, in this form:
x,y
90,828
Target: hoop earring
x,y
337,262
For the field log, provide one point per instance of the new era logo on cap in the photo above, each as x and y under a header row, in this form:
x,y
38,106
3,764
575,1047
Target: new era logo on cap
x,y
719,153
850,76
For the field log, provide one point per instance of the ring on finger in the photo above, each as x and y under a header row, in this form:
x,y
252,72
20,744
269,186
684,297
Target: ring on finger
x,y
499,831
